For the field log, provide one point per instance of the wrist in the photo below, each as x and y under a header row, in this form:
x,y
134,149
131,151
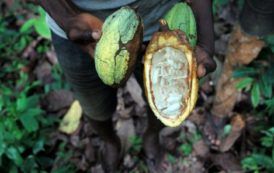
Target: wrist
x,y
62,11
208,49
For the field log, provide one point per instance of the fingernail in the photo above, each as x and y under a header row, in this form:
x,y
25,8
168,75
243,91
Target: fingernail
x,y
96,35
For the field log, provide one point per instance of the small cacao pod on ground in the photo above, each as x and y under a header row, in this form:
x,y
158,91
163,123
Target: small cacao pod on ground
x,y
180,16
171,84
118,47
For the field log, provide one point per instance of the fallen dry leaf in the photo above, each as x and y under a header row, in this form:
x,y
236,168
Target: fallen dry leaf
x,y
57,100
242,50
201,149
51,56
125,129
135,91
227,161
43,72
237,126
71,120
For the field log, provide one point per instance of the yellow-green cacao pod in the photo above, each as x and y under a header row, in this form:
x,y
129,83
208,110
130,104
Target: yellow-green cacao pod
x,y
118,47
180,16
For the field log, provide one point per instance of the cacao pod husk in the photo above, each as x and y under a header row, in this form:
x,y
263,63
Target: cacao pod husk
x,y
118,47
181,17
171,84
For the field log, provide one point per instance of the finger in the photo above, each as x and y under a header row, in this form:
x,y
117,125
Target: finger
x,y
90,49
80,36
91,53
204,59
210,65
201,71
96,35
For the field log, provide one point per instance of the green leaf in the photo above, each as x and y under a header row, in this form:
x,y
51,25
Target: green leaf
x,y
270,41
1,103
21,44
17,133
267,141
41,12
2,148
13,154
29,121
249,163
227,129
265,86
29,164
2,143
186,149
273,153
244,72
13,169
270,105
255,95
271,130
27,25
195,137
171,159
65,169
21,104
39,146
264,161
32,85
6,91
136,143
33,101
45,161
34,112
245,82
42,28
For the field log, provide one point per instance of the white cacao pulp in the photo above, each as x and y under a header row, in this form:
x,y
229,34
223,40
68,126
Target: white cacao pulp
x,y
169,75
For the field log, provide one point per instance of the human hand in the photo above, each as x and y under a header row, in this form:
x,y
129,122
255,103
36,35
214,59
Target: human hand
x,y
84,30
205,48
205,63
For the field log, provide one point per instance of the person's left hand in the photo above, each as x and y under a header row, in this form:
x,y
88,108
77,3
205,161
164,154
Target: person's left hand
x,y
205,63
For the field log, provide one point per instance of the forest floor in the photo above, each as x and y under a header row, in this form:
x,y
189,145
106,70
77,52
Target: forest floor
x,y
187,151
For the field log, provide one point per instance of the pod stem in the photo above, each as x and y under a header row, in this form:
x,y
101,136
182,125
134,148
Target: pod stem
x,y
163,25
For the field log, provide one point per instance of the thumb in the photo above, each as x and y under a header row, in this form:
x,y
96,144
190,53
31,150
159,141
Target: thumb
x,y
83,36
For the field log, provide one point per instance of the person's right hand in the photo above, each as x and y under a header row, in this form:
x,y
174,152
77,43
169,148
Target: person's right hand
x,y
81,27
84,30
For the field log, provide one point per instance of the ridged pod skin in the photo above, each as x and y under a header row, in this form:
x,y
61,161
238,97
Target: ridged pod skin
x,y
171,84
118,47
180,16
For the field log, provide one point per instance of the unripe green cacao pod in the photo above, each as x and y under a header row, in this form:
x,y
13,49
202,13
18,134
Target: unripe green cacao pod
x,y
118,47
180,16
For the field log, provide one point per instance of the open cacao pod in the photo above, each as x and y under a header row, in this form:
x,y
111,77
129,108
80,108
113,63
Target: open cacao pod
x,y
171,83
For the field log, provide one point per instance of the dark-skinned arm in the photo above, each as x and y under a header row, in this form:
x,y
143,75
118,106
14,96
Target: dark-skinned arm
x,y
60,10
81,27
202,10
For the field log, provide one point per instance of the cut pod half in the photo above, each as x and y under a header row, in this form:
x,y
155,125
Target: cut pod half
x,y
117,50
171,84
